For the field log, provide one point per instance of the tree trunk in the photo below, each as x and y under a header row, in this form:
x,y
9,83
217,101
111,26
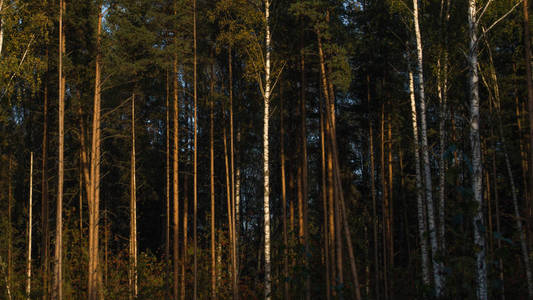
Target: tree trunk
x,y
212,179
133,210
284,201
384,200
422,227
30,211
437,268
527,52
175,190
58,289
228,197
477,183
232,157
195,167
266,168
94,198
44,199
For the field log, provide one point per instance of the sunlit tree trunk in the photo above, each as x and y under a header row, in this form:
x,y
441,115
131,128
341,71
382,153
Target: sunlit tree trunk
x,y
195,167
284,201
45,248
477,183
266,168
235,270
437,273
30,212
133,210
212,179
94,198
58,288
175,190
422,227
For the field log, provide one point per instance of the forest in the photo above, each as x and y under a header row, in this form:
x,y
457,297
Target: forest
x,y
266,149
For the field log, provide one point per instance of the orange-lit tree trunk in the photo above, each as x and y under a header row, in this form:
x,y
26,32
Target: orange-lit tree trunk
x,y
94,276
58,285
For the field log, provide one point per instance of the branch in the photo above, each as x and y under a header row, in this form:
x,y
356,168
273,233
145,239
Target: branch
x,y
502,17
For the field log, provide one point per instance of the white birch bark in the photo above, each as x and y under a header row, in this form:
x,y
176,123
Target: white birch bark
x,y
422,227
266,170
477,183
437,276
30,211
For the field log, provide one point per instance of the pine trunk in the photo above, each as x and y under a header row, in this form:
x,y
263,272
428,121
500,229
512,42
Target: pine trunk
x,y
58,289
175,181
133,210
94,198
30,212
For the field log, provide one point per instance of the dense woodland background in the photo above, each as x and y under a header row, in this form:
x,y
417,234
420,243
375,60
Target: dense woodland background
x,y
277,149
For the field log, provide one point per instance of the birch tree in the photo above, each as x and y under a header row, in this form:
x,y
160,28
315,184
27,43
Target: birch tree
x,y
437,267
475,144
266,169
422,225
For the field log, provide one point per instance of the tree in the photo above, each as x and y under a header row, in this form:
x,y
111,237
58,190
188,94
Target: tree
x,y
437,268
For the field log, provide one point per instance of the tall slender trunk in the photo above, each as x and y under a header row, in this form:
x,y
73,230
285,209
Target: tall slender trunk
x,y
133,210
44,199
266,168
437,267
527,53
327,257
232,159
94,198
477,183
284,201
385,205
58,289
195,167
228,197
175,178
30,212
212,179
375,220
422,228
